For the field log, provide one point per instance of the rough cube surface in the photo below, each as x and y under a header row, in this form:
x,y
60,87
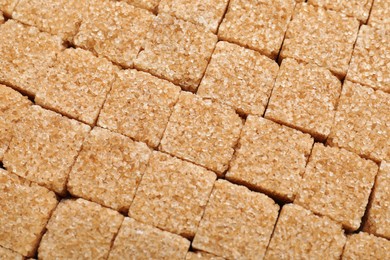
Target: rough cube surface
x,y
270,158
378,219
9,254
44,147
380,14
25,209
150,5
7,6
108,169
172,194
176,50
299,234
239,77
26,54
304,97
337,184
330,47
139,106
1,18
370,60
77,85
366,246
202,132
237,223
79,229
13,106
114,30
362,122
203,12
199,255
259,25
140,241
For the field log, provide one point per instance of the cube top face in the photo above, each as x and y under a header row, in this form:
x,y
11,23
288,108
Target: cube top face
x,y
362,122
259,25
304,97
366,246
203,132
176,50
237,223
172,194
240,78
79,228
141,241
271,158
337,184
44,147
25,209
330,47
380,15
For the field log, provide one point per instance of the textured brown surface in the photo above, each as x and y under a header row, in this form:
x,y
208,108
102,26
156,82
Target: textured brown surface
x,y
237,223
150,5
239,77
270,158
141,241
202,132
139,106
199,255
108,169
337,184
44,147
79,229
25,209
365,246
7,6
1,17
380,14
299,234
172,194
9,254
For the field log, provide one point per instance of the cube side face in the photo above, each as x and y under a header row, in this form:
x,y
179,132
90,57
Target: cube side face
x,y
79,228
108,169
237,222
366,246
26,208
337,184
44,147
380,15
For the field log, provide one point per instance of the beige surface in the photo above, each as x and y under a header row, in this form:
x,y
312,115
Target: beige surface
x,y
79,229
237,223
150,5
139,106
380,14
202,132
240,78
44,147
172,194
25,210
108,169
199,255
365,246
337,184
7,6
9,254
141,241
270,158
1,17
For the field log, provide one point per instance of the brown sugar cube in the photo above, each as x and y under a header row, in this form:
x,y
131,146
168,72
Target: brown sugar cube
x,y
337,184
9,254
79,229
176,50
26,54
13,106
25,209
108,169
136,240
271,158
172,194
114,30
362,122
237,223
203,132
370,60
139,106
330,47
44,147
304,97
8,6
77,85
355,8
299,234
239,77
380,14
150,5
199,255
378,219
1,18
259,25
366,246
203,12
